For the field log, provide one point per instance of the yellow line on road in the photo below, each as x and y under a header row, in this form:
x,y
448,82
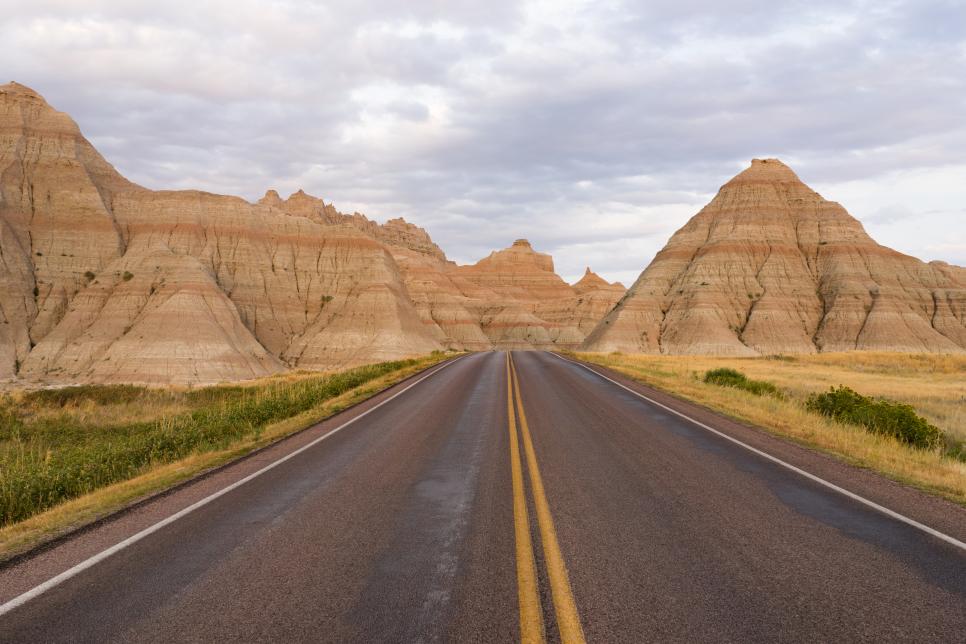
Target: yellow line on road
x,y
531,614
568,620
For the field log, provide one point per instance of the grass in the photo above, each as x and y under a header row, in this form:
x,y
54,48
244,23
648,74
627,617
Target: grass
x,y
933,385
732,378
66,459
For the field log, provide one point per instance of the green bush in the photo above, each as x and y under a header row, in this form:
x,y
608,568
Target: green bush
x,y
733,378
880,416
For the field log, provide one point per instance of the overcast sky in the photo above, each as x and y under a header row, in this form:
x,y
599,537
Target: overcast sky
x,y
595,129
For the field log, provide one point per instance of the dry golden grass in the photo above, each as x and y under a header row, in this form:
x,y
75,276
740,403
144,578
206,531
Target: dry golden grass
x,y
153,403
63,518
934,385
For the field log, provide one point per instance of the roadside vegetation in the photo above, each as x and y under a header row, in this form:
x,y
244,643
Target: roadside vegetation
x,y
59,445
881,416
733,378
900,414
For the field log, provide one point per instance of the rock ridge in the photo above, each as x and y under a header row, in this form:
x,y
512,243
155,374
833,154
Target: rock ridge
x,y
102,280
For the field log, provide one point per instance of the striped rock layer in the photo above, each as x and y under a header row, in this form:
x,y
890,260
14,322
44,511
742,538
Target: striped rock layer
x,y
770,267
102,280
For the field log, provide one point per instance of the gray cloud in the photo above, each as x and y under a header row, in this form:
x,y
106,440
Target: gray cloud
x,y
594,128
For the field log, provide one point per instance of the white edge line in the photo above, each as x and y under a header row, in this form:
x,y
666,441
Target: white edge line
x,y
121,545
852,495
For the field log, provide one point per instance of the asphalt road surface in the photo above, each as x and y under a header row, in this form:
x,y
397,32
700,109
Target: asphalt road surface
x,y
499,500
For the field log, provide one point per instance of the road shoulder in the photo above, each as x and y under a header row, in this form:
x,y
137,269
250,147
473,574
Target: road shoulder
x,y
930,509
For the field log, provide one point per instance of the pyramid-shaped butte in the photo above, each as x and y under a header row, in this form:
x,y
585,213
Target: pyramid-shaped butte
x,y
769,266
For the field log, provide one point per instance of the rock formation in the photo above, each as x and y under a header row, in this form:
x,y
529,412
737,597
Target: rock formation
x,y
151,316
102,280
769,267
220,289
595,298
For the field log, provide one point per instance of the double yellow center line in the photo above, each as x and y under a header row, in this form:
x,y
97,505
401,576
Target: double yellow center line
x,y
531,612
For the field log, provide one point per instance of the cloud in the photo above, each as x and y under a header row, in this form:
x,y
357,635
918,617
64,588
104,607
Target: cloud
x,y
593,128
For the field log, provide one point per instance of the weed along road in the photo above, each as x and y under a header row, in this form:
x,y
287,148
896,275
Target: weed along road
x,y
510,497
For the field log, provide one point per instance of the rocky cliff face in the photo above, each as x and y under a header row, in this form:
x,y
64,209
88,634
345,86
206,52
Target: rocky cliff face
x,y
104,281
56,218
769,266
151,316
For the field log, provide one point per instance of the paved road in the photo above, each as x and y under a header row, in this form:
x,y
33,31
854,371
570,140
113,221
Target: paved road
x,y
493,503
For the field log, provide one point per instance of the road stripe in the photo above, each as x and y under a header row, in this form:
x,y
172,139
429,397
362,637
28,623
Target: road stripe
x,y
828,484
101,556
531,614
568,619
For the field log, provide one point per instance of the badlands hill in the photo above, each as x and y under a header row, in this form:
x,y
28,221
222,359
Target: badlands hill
x,y
769,267
102,280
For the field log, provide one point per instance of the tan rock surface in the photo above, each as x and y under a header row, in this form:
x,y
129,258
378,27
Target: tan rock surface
x,y
769,266
257,287
151,317
512,298
290,277
517,272
595,299
521,301
56,220
298,284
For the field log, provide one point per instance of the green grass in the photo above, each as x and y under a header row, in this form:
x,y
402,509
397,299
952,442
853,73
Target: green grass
x,y
51,453
878,415
732,378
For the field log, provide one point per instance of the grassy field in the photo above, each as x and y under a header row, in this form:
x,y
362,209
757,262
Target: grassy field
x,y
70,455
935,385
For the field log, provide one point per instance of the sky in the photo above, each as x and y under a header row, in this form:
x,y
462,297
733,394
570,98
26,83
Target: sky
x,y
594,129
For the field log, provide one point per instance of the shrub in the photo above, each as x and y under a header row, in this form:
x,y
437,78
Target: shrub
x,y
880,416
89,275
733,378
128,276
